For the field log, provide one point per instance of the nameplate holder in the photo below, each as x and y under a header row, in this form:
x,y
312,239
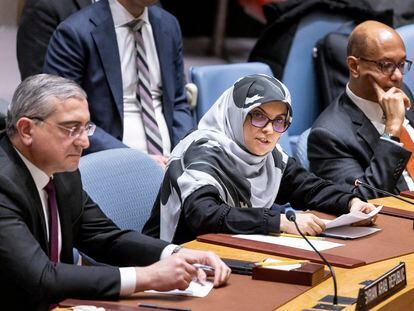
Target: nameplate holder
x,y
308,274
382,288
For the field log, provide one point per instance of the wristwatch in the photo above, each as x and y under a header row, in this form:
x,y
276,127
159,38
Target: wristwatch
x,y
392,137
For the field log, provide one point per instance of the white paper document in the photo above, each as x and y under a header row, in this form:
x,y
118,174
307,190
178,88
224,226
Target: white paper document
x,y
288,241
195,289
350,218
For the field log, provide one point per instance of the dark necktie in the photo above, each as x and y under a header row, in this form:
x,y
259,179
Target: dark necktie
x,y
152,131
53,221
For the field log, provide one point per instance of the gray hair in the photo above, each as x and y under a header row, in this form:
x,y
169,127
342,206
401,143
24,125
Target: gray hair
x,y
33,98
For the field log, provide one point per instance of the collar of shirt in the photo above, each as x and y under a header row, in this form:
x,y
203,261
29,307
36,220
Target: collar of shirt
x,y
121,16
40,178
371,109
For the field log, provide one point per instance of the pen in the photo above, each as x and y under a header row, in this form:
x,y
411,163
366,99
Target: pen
x,y
280,263
203,267
288,235
162,308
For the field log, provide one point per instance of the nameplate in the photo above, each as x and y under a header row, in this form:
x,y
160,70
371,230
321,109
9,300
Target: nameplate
x,y
382,288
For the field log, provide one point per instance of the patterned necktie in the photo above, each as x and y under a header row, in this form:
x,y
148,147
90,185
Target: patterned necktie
x,y
152,131
53,221
409,145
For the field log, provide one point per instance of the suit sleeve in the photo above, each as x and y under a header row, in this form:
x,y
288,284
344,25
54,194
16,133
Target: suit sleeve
x,y
336,159
38,22
24,262
101,239
304,190
67,56
182,120
205,212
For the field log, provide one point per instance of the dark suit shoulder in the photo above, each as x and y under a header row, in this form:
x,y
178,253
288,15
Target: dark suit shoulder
x,y
335,117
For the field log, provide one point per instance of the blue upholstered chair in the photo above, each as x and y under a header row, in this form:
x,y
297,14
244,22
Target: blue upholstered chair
x,y
211,81
124,182
301,153
299,73
407,34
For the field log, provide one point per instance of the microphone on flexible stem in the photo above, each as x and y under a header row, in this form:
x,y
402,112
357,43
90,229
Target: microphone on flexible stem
x,y
291,216
357,183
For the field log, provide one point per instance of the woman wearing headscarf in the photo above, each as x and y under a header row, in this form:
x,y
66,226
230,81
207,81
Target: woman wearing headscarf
x,y
228,174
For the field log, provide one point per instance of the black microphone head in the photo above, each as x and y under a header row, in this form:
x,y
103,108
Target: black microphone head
x,y
290,214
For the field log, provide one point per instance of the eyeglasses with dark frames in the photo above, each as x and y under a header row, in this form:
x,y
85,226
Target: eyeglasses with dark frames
x,y
75,131
280,124
388,67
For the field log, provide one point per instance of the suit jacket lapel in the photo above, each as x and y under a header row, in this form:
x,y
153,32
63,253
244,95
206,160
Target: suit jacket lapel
x,y
164,50
366,130
35,205
105,39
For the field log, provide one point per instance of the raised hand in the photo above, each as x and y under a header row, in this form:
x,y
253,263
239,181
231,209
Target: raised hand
x,y
393,103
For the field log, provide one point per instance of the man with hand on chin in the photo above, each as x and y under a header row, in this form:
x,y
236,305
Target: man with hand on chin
x,y
44,212
368,132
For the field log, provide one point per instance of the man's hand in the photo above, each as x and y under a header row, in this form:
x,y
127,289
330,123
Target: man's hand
x,y
177,271
308,224
357,205
393,103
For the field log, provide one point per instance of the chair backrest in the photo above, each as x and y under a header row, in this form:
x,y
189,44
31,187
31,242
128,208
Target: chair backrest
x,y
407,34
301,153
299,72
213,80
124,182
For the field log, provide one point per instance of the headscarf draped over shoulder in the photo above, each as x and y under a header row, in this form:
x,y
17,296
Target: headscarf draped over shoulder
x,y
215,155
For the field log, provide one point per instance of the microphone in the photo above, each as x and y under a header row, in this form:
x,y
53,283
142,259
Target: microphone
x,y
357,183
291,216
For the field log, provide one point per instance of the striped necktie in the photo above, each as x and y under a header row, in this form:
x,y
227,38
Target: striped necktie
x,y
152,131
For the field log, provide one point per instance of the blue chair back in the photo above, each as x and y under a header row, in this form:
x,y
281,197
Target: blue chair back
x,y
407,34
124,183
299,73
213,80
301,153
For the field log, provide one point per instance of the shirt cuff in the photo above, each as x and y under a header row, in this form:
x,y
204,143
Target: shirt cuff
x,y
167,251
392,141
128,281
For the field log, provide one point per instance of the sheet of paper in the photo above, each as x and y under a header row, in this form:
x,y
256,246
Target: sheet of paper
x,y
194,290
300,243
350,218
349,232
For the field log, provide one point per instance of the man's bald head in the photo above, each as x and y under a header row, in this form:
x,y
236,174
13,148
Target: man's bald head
x,y
368,36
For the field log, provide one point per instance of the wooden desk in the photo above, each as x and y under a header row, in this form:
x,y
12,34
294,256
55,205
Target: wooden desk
x,y
348,279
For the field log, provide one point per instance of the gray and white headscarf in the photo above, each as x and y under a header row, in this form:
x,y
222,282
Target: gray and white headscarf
x,y
215,155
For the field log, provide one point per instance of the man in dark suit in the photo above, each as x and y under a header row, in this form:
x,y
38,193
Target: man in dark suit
x,y
366,133
96,48
44,212
38,22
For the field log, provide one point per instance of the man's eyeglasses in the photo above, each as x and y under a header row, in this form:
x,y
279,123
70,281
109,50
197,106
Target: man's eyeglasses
x,y
279,124
75,131
388,68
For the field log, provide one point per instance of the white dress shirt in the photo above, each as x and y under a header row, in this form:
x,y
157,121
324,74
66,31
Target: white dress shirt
x,y
374,113
134,135
128,275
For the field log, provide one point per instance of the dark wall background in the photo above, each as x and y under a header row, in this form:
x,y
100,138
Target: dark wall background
x,y
197,18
